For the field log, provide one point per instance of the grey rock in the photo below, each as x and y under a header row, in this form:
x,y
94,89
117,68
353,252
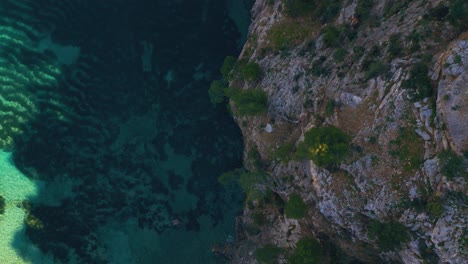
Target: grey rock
x,y
350,99
422,134
431,170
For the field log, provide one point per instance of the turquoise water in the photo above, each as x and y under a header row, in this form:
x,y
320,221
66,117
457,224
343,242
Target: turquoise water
x,y
108,133
15,187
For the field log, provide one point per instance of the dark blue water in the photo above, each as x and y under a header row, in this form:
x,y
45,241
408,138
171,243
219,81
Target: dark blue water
x,y
109,116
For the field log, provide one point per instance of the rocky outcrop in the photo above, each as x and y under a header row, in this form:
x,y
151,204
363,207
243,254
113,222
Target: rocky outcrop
x,y
393,171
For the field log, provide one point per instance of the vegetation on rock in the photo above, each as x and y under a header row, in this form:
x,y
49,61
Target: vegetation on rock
x,y
322,9
451,165
409,148
324,145
228,65
363,9
288,34
308,251
295,207
252,183
248,102
268,254
216,91
250,71
419,84
390,236
284,153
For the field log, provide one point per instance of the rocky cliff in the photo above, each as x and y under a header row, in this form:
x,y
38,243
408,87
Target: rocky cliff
x,y
392,75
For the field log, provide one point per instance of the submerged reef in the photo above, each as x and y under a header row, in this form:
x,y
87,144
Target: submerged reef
x,y
123,173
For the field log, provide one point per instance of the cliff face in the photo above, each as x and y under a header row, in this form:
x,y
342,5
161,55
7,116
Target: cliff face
x,y
395,82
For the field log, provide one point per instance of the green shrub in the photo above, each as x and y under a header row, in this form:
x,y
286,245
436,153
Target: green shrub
x,y
439,12
284,153
419,84
340,54
318,68
248,181
227,67
248,102
458,14
331,36
414,39
330,107
308,251
255,159
451,165
216,91
250,71
435,208
322,9
288,34
295,207
296,8
363,9
395,48
390,236
358,51
2,205
268,254
376,69
392,7
230,176
324,145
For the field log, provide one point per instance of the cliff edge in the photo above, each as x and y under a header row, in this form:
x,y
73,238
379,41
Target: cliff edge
x,y
392,76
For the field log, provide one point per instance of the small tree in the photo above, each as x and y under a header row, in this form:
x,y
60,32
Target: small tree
x,y
248,102
226,69
216,91
250,71
295,207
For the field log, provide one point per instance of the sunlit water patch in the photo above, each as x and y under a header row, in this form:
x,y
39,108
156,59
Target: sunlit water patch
x,y
15,188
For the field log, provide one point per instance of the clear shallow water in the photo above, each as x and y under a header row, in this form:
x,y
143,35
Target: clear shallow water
x,y
105,106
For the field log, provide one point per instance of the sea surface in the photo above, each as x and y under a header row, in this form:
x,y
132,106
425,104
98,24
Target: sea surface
x,y
109,146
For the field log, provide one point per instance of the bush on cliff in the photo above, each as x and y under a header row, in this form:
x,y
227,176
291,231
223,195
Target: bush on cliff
x,y
390,236
250,71
451,165
216,91
251,183
308,251
229,64
295,207
325,10
248,102
324,145
419,84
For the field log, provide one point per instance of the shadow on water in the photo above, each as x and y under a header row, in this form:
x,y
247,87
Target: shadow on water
x,y
123,144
